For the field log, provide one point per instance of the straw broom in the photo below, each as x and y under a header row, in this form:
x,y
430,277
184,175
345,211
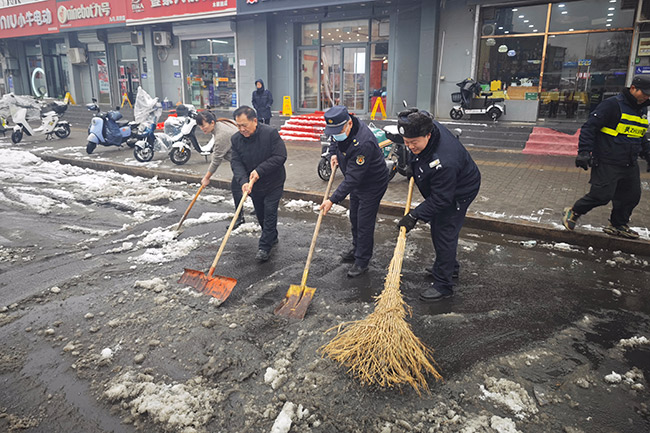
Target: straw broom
x,y
382,349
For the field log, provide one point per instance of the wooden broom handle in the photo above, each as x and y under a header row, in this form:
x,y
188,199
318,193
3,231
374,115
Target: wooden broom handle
x,y
189,207
227,235
409,197
313,239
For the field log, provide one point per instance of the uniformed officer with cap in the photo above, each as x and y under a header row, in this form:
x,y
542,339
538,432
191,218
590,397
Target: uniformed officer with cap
x,y
611,142
449,180
355,149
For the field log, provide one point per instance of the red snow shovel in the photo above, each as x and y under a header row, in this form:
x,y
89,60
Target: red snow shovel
x,y
298,297
189,208
217,286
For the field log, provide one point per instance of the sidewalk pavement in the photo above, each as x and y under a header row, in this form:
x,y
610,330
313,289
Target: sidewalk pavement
x,y
521,195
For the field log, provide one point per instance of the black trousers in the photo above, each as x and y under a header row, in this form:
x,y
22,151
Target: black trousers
x,y
445,229
237,194
363,215
618,184
263,120
266,210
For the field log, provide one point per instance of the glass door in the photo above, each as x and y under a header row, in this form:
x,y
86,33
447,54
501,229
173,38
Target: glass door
x,y
309,71
354,78
331,76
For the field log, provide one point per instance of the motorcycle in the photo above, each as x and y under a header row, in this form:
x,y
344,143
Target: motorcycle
x,y
106,129
149,142
50,123
182,147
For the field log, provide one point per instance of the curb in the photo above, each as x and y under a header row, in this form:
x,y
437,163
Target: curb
x,y
523,229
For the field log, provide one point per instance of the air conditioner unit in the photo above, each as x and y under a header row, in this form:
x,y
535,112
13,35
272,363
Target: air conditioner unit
x,y
137,38
162,39
77,56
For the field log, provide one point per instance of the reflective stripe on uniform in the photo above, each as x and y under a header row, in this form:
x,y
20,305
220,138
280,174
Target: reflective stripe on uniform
x,y
631,131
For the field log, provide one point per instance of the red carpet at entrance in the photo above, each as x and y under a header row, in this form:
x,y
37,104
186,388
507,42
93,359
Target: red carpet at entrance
x,y
547,141
304,127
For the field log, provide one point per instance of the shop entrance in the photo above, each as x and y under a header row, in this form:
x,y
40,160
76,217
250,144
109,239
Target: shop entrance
x,y
343,81
128,70
100,84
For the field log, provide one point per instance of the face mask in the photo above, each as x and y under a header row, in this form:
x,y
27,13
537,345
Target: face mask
x,y
340,137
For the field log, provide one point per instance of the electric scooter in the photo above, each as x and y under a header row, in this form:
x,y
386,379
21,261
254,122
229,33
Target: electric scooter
x,y
105,129
50,123
182,147
149,142
493,107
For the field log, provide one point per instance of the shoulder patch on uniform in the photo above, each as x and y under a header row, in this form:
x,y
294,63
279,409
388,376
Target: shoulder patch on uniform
x,y
361,160
435,164
356,143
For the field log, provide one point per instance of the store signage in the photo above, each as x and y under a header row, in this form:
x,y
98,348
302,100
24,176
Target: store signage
x,y
80,13
26,20
177,74
490,42
584,62
642,69
170,10
12,3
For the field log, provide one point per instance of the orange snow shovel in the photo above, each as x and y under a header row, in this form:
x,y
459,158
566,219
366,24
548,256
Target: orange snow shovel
x,y
298,298
189,208
217,286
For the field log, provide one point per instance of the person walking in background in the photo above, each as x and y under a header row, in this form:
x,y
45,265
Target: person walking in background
x,y
262,102
449,180
610,143
258,156
355,149
221,130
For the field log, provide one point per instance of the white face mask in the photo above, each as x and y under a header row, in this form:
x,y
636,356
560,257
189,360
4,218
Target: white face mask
x,y
340,137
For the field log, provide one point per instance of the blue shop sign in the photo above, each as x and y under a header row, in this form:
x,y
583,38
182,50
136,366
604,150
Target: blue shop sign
x,y
642,69
177,74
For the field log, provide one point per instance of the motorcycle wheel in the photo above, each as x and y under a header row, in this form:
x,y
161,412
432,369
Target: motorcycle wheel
x,y
494,113
456,114
393,170
16,136
90,147
180,156
324,169
143,154
63,131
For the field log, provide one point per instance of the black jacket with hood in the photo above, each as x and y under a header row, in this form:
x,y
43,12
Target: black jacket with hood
x,y
262,101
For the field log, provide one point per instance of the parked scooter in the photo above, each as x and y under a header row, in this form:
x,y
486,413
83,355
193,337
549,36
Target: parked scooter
x,y
149,142
50,123
106,129
493,107
182,148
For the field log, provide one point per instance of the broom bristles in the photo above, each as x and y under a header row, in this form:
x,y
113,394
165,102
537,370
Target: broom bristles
x,y
382,349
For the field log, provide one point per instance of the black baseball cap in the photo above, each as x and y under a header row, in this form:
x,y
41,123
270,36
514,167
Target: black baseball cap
x,y
335,119
642,82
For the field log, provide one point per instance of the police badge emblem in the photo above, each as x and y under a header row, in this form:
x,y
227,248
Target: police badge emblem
x,y
361,160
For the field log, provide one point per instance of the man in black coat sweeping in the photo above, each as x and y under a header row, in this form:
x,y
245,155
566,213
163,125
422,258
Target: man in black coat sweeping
x,y
449,180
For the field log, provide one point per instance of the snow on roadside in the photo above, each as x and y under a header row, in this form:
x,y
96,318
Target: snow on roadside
x,y
509,395
208,217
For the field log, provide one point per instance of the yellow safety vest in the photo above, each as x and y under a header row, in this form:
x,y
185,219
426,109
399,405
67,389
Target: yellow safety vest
x,y
629,125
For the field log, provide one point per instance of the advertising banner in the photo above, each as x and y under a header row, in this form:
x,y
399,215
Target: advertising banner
x,y
89,13
172,10
33,18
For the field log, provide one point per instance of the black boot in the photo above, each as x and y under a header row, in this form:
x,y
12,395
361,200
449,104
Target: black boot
x,y
239,222
348,256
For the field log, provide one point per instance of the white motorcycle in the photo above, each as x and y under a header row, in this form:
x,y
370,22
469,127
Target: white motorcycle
x,y
50,123
186,140
149,142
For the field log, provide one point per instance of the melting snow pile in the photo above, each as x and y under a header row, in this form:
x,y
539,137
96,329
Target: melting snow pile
x,y
247,229
633,342
510,395
163,247
208,217
296,205
180,407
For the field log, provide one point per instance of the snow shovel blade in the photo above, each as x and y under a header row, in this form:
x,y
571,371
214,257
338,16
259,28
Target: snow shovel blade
x,y
218,287
296,302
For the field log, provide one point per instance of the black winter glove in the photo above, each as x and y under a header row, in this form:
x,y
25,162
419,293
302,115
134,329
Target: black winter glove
x,y
408,172
583,160
407,222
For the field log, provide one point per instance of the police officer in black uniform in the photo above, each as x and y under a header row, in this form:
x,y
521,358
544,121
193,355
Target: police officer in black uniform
x,y
610,143
355,149
449,180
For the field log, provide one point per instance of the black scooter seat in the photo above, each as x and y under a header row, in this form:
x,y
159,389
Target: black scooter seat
x,y
495,100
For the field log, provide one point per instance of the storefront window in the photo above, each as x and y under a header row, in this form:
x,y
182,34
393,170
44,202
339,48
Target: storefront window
x,y
128,71
581,70
591,15
209,66
308,78
336,32
380,29
378,73
310,34
514,20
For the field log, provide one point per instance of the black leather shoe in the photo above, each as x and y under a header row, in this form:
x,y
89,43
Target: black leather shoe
x,y
348,256
434,295
355,271
239,222
430,272
262,256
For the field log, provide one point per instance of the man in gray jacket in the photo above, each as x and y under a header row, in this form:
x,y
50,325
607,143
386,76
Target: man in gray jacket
x,y
222,131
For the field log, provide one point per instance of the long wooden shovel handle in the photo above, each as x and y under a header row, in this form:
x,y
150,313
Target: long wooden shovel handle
x,y
407,208
313,239
227,235
187,212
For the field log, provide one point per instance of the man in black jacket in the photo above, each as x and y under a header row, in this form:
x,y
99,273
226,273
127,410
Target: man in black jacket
x,y
355,149
258,156
262,101
449,180
610,143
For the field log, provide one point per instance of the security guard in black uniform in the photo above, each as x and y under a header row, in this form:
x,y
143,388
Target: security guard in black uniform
x,y
610,143
355,149
449,180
